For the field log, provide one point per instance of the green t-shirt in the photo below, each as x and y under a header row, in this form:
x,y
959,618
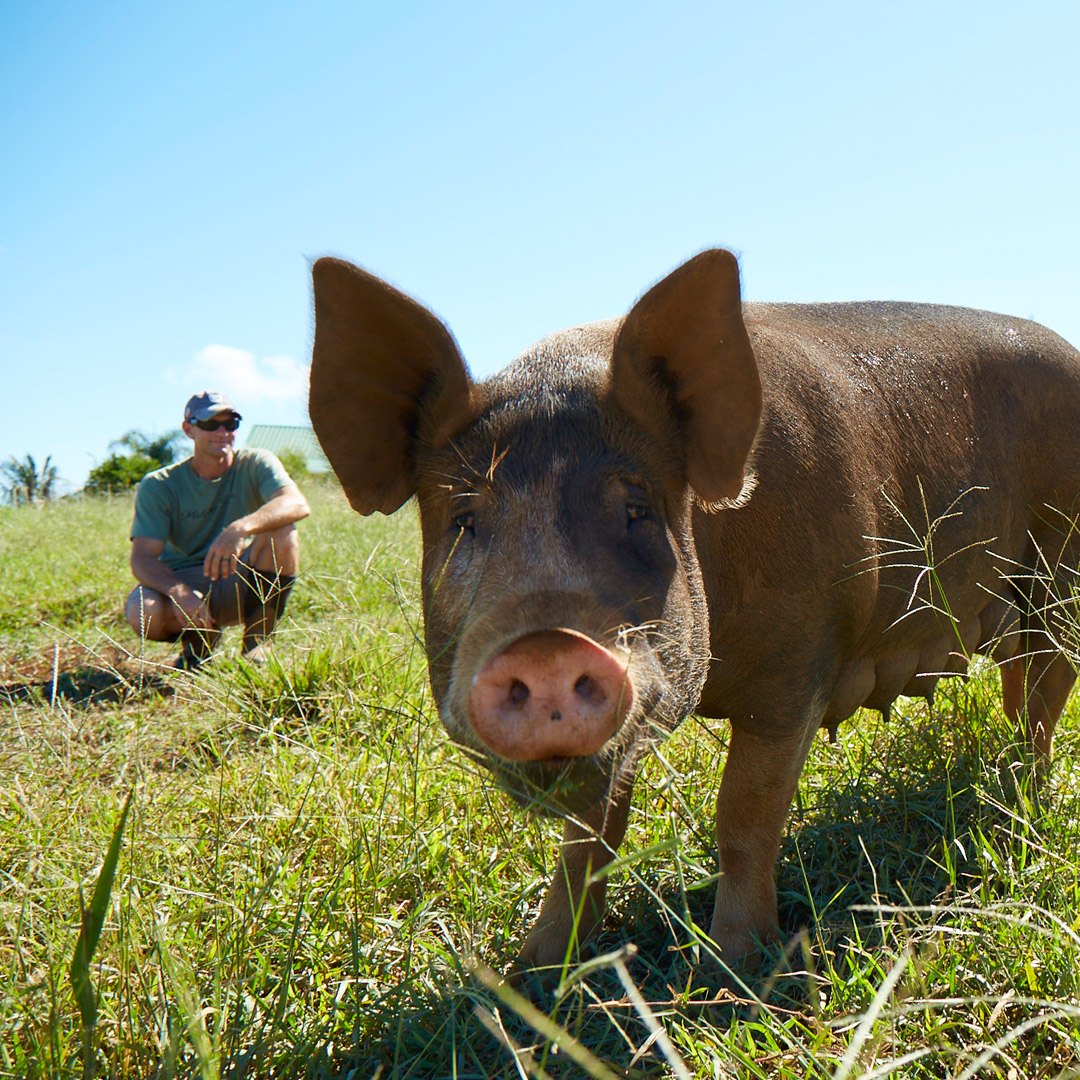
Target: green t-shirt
x,y
175,505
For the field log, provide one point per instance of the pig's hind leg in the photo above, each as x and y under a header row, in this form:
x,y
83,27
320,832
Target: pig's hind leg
x,y
1035,684
1034,689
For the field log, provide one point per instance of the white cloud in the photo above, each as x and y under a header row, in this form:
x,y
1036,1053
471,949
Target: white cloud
x,y
247,379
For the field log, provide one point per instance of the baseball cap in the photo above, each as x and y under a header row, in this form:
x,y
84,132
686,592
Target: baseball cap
x,y
209,403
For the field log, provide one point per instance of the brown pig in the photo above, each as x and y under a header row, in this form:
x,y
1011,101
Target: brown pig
x,y
770,513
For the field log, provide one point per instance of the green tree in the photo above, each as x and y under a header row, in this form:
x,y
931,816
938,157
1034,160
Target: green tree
x,y
121,471
118,472
25,484
295,464
159,448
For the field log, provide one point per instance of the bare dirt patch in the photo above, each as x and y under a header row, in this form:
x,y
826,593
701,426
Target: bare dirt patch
x,y
80,676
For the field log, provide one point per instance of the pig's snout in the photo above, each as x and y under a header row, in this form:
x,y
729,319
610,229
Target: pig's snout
x,y
550,694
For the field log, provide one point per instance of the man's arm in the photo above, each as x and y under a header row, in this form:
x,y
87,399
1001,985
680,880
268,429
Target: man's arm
x,y
286,506
152,573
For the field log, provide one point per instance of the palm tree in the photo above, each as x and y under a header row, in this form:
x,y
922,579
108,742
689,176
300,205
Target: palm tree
x,y
24,483
159,448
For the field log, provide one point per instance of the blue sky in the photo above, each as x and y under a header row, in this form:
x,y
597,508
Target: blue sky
x,y
169,172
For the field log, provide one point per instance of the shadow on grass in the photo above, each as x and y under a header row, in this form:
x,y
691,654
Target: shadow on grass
x,y
88,686
903,827
907,829
440,1033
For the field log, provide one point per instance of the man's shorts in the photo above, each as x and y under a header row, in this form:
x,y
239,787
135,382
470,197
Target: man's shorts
x,y
229,597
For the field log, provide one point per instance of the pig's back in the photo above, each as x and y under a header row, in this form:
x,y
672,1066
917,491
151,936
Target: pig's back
x,y
885,424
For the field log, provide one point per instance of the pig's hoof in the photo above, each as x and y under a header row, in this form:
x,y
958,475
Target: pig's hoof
x,y
736,954
541,965
535,983
1022,778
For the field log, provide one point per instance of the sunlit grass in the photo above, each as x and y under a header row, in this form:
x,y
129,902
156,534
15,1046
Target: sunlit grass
x,y
309,872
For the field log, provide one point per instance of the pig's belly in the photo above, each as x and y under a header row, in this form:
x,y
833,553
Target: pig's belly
x,y
910,663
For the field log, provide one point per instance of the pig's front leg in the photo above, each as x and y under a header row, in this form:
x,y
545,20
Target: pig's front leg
x,y
588,845
759,781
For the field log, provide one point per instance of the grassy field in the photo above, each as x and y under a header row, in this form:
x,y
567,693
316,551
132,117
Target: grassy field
x,y
309,874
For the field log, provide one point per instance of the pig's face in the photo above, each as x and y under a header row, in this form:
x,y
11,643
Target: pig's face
x,y
557,553
565,618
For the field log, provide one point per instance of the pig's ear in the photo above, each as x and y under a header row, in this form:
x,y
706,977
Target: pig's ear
x,y
683,363
386,375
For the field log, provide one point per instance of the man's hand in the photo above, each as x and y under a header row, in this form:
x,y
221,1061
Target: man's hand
x,y
284,507
195,611
224,554
184,608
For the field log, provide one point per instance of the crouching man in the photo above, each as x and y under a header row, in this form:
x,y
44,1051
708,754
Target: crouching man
x,y
214,542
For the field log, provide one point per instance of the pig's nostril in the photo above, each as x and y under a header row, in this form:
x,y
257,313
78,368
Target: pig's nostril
x,y
550,695
589,690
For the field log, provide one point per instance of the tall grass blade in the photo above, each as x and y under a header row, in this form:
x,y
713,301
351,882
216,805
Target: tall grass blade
x,y
526,1064
678,1066
866,1026
192,1013
541,1022
93,918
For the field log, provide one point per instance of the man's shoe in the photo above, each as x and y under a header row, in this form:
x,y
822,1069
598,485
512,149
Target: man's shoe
x,y
197,647
188,662
257,654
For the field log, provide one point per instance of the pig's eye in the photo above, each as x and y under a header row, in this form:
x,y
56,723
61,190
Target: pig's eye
x,y
635,511
464,523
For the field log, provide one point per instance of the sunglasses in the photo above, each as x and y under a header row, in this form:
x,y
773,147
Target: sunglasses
x,y
230,424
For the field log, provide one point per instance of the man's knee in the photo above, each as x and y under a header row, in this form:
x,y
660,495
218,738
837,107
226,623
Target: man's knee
x,y
139,606
277,551
146,614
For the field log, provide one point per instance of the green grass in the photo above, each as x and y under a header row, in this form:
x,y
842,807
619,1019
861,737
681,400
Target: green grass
x,y
309,872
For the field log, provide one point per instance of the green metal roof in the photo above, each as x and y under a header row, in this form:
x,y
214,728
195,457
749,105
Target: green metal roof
x,y
301,440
